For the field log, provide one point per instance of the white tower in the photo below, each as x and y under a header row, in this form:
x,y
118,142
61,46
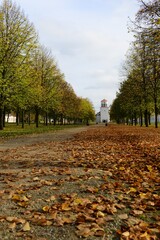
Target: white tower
x,y
104,115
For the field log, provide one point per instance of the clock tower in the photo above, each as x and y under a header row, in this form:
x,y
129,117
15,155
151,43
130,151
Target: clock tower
x,y
104,115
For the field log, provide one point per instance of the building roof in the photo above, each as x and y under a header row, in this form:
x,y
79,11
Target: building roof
x,y
104,100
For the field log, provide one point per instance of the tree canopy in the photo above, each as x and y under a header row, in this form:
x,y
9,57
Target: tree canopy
x,y
139,92
30,79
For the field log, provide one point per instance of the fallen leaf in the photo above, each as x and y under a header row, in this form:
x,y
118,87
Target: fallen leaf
x,y
84,231
12,226
53,198
143,195
78,201
16,197
134,190
100,214
26,227
122,168
24,198
10,219
137,212
123,216
145,236
65,206
92,189
36,179
126,234
46,208
149,167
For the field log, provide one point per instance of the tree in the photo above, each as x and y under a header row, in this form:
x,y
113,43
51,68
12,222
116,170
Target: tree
x,y
140,90
87,111
147,29
17,38
68,102
116,111
47,77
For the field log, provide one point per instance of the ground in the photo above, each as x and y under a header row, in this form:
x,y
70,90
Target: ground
x,y
96,182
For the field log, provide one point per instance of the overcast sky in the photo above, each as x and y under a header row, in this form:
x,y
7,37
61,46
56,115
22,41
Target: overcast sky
x,y
88,38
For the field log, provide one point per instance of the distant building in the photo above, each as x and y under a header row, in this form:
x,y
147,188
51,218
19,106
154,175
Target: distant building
x,y
103,115
10,118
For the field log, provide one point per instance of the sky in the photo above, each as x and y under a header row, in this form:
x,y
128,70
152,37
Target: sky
x,y
87,38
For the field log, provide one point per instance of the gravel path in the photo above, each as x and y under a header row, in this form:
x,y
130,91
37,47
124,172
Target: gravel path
x,y
60,135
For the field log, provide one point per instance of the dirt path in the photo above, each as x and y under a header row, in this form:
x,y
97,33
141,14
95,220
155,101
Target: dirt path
x,y
92,182
60,135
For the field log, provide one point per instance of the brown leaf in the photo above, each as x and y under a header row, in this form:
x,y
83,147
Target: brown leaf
x,y
53,215
123,216
100,214
65,206
145,236
137,212
99,233
101,221
125,234
46,208
84,231
12,226
78,201
52,198
36,179
133,221
10,219
109,218
16,197
26,227
132,190
20,220
92,189
24,198
1,193
47,223
23,204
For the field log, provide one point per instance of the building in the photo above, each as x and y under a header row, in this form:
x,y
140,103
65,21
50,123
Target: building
x,y
10,118
103,115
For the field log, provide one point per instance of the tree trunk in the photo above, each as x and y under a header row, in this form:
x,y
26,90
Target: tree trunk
x,y
37,117
46,119
17,117
54,121
29,118
1,118
146,117
22,118
141,119
61,119
156,114
135,119
54,118
4,114
149,118
132,121
127,121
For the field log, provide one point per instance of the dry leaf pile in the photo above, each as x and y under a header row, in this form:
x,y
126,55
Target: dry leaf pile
x,y
102,184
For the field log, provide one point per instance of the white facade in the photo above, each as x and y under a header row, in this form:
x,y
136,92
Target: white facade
x,y
103,115
10,118
98,117
104,111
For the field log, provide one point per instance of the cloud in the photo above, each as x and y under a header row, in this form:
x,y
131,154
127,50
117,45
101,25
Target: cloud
x,y
89,40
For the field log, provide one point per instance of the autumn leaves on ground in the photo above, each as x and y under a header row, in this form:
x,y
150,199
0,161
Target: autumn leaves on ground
x,y
104,183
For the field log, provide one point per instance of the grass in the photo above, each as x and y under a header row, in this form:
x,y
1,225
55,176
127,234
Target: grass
x,y
12,130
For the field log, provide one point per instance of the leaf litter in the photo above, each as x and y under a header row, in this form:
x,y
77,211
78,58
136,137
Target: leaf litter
x,y
103,183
